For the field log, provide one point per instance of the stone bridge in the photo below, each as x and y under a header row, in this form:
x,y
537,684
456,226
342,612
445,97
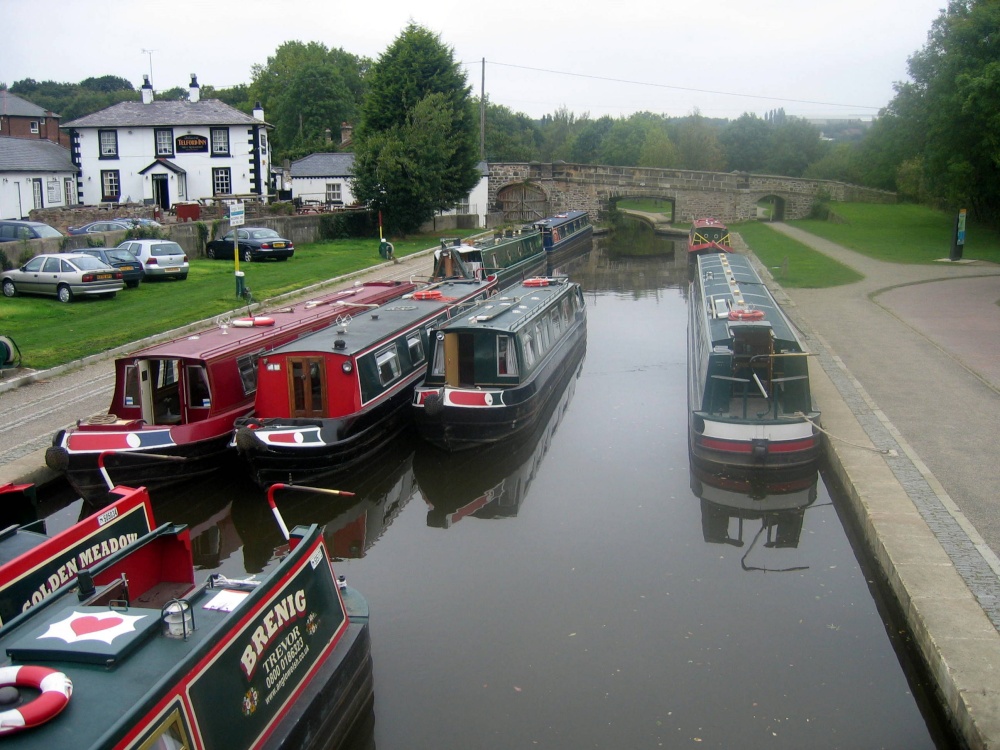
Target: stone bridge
x,y
528,191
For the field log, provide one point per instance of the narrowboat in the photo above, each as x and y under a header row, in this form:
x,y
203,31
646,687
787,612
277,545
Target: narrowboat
x,y
511,255
748,376
143,654
333,399
494,481
175,404
494,368
34,565
566,232
708,235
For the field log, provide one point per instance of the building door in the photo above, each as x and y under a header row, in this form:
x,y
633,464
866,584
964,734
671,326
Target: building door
x,y
161,191
36,193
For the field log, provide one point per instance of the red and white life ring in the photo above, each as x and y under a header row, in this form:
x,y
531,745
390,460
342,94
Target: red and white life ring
x,y
744,315
254,322
537,281
56,689
428,294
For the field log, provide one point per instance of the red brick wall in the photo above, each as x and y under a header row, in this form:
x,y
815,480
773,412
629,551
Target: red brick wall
x,y
20,127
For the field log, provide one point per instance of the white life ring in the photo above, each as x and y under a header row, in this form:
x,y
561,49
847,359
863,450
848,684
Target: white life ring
x,y
252,322
56,690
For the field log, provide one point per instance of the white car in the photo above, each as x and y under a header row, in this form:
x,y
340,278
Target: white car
x,y
161,259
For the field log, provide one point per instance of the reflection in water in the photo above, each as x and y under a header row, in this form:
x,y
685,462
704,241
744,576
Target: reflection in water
x,y
730,502
351,525
490,483
610,266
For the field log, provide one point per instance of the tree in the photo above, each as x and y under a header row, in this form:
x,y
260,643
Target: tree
x,y
795,144
699,146
746,142
510,136
416,146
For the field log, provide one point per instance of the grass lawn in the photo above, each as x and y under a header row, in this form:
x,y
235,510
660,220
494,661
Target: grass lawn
x,y
649,205
792,263
902,233
49,332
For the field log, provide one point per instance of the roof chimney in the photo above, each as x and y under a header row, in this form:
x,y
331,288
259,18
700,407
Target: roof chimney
x,y
258,111
147,90
346,133
194,91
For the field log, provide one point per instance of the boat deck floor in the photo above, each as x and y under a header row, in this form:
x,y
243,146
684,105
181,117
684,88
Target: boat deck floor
x,y
752,408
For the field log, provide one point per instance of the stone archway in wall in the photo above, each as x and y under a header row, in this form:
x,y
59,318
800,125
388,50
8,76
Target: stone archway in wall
x,y
523,202
661,204
771,208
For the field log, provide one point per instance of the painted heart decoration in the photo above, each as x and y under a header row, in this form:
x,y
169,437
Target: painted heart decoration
x,y
90,624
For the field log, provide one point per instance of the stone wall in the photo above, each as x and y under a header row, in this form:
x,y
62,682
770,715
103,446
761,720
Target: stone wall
x,y
728,196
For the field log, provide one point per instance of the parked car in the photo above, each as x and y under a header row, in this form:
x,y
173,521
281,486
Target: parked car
x,y
100,226
15,229
256,243
63,275
161,259
138,222
123,260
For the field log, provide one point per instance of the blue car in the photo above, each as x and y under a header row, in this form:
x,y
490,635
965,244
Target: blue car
x,y
101,226
123,260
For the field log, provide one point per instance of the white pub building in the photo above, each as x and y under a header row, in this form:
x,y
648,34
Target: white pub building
x,y
167,152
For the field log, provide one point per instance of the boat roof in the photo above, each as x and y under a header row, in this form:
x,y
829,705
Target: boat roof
x,y
225,339
729,281
559,219
513,308
466,246
706,222
369,328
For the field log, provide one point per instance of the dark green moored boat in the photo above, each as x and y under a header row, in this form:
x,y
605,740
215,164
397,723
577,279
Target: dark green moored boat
x,y
748,375
512,255
494,368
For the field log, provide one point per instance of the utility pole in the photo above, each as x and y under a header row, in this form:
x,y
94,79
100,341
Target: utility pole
x,y
482,114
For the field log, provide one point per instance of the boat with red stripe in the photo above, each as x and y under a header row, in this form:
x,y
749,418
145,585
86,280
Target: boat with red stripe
x,y
175,404
748,375
708,235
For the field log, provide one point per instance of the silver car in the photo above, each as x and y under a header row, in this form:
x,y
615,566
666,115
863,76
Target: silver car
x,y
65,276
161,259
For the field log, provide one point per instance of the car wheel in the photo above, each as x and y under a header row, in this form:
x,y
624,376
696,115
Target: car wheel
x,y
132,284
8,288
183,278
248,256
210,253
65,294
283,257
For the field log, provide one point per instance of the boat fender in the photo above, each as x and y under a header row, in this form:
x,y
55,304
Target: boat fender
x,y
254,322
433,404
57,458
537,281
746,315
55,687
246,441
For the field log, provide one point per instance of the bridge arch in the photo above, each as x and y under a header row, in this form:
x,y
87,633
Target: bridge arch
x,y
665,197
770,208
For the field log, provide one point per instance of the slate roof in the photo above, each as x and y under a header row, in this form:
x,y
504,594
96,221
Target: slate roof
x,y
33,155
15,106
324,165
164,114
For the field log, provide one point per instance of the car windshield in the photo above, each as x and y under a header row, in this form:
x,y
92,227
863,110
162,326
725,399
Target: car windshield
x,y
89,263
263,234
44,230
166,248
122,256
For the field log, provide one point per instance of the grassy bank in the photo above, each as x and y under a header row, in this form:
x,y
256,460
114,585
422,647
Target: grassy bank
x,y
792,263
50,333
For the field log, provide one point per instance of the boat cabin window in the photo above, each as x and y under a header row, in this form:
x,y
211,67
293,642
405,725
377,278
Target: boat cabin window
x,y
437,366
506,356
387,362
171,734
162,376
247,365
416,346
132,395
198,394
528,345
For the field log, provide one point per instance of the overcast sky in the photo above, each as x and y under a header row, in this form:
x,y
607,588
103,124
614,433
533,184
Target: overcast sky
x,y
721,57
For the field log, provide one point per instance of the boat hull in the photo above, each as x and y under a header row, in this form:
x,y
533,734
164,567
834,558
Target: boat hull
x,y
722,443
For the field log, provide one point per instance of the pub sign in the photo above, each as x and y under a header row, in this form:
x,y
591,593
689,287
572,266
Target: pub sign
x,y
192,144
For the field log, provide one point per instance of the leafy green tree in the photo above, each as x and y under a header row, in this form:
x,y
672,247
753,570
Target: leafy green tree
x,y
416,146
658,150
106,84
510,136
586,144
746,142
795,144
698,144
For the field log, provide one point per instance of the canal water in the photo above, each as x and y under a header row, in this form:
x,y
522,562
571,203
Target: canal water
x,y
585,588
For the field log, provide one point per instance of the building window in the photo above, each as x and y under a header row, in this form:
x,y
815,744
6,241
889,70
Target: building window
x,y
222,183
220,141
164,141
34,126
109,143
333,194
263,142
111,185
52,191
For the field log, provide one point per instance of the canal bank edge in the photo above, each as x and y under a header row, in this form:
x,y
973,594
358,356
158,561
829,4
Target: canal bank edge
x,y
956,638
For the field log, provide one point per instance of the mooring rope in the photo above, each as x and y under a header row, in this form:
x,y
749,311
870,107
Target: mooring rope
x,y
881,451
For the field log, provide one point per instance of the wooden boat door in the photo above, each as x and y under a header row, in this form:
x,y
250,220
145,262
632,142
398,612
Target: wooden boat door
x,y
159,391
459,359
307,387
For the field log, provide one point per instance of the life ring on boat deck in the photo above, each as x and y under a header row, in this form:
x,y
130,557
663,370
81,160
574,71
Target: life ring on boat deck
x,y
536,281
428,294
56,688
254,322
743,315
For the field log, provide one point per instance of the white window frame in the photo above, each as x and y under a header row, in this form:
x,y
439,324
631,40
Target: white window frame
x,y
334,192
220,141
163,139
220,176
388,358
34,126
111,185
108,142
